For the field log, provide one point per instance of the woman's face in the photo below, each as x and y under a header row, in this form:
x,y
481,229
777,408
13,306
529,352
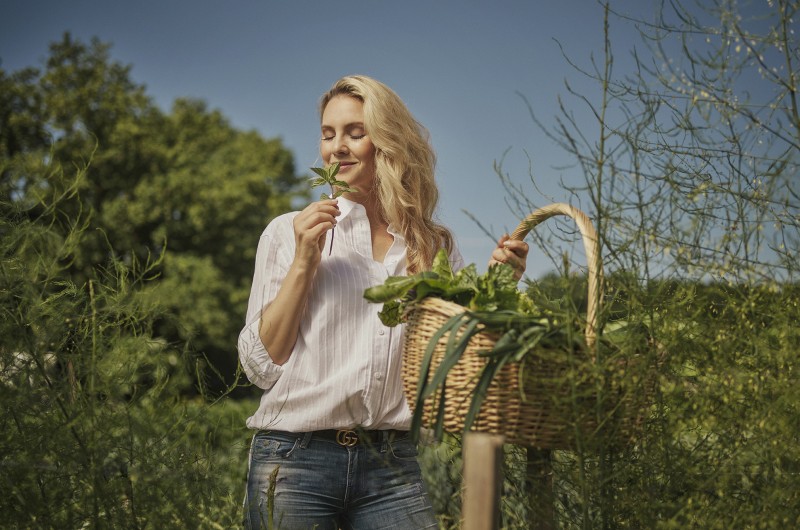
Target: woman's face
x,y
345,140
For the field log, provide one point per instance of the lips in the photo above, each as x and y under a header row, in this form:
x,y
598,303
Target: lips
x,y
344,165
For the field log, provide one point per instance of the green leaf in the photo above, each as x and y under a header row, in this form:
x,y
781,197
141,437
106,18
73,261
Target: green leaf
x,y
424,370
468,277
441,265
323,175
391,314
333,169
456,345
341,184
395,287
481,388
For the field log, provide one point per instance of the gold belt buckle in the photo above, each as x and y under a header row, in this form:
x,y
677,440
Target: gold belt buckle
x,y
346,438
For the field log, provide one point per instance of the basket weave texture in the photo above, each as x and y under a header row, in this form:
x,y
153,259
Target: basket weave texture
x,y
556,398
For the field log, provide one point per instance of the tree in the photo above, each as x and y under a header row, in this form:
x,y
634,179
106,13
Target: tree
x,y
186,181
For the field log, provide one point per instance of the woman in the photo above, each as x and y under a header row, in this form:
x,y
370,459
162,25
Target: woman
x,y
332,448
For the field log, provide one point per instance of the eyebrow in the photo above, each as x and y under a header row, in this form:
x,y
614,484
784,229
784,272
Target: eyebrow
x,y
347,126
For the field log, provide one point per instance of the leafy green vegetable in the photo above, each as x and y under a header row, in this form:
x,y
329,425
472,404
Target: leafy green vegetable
x,y
493,291
338,187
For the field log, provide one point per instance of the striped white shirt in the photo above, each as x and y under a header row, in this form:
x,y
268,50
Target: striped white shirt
x,y
344,370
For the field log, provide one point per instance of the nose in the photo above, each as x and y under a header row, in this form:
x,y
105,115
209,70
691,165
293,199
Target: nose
x,y
340,145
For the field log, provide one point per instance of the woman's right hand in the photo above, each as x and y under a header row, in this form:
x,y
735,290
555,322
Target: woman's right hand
x,y
310,227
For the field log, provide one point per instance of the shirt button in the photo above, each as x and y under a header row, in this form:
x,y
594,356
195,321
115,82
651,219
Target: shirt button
x,y
381,332
379,376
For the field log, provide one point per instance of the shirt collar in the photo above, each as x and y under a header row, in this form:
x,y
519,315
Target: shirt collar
x,y
347,207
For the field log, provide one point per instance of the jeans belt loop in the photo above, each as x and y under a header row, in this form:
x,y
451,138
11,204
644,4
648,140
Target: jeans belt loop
x,y
306,439
385,439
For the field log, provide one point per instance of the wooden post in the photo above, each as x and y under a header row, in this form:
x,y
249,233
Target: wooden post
x,y
539,479
483,481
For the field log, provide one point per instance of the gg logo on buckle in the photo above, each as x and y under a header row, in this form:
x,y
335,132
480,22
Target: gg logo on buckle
x,y
346,438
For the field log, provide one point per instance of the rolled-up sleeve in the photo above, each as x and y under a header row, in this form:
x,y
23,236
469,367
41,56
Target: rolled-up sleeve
x,y
270,270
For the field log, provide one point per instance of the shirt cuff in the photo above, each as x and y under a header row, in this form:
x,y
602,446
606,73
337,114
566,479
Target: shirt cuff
x,y
256,361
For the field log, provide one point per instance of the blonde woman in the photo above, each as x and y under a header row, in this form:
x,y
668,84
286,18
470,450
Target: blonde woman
x,y
331,448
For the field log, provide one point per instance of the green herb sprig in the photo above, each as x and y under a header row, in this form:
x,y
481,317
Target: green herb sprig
x,y
327,176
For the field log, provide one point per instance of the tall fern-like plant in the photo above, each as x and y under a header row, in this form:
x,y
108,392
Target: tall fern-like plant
x,y
98,429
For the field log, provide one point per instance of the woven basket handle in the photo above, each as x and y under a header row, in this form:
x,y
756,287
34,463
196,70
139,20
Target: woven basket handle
x,y
591,247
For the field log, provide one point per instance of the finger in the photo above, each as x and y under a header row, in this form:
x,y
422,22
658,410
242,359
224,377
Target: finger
x,y
512,253
517,253
498,255
508,257
329,207
324,203
519,248
310,242
318,231
316,218
328,203
310,228
517,264
314,214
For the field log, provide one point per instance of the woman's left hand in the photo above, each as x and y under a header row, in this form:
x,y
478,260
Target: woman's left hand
x,y
512,252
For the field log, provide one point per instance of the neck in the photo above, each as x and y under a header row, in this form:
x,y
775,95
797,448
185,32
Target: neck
x,y
372,207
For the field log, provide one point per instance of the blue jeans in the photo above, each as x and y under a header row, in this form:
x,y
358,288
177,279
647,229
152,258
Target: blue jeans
x,y
297,481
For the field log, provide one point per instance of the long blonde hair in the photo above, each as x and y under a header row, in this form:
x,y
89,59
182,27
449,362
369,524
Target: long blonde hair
x,y
404,163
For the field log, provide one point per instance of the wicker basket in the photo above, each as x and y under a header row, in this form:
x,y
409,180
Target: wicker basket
x,y
554,399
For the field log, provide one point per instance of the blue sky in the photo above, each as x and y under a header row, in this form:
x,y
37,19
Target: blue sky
x,y
459,65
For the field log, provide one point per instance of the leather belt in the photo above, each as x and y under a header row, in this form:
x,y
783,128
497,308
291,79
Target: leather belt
x,y
350,438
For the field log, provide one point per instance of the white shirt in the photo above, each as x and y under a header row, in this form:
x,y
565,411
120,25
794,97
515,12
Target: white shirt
x,y
344,370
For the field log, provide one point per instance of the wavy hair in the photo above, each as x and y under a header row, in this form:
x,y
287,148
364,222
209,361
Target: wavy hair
x,y
404,164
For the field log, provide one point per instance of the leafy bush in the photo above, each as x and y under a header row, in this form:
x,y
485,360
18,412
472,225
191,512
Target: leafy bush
x,y
97,429
720,447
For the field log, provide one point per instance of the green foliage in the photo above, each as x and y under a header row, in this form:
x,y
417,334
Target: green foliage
x,y
719,447
728,426
96,430
184,180
496,290
327,176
